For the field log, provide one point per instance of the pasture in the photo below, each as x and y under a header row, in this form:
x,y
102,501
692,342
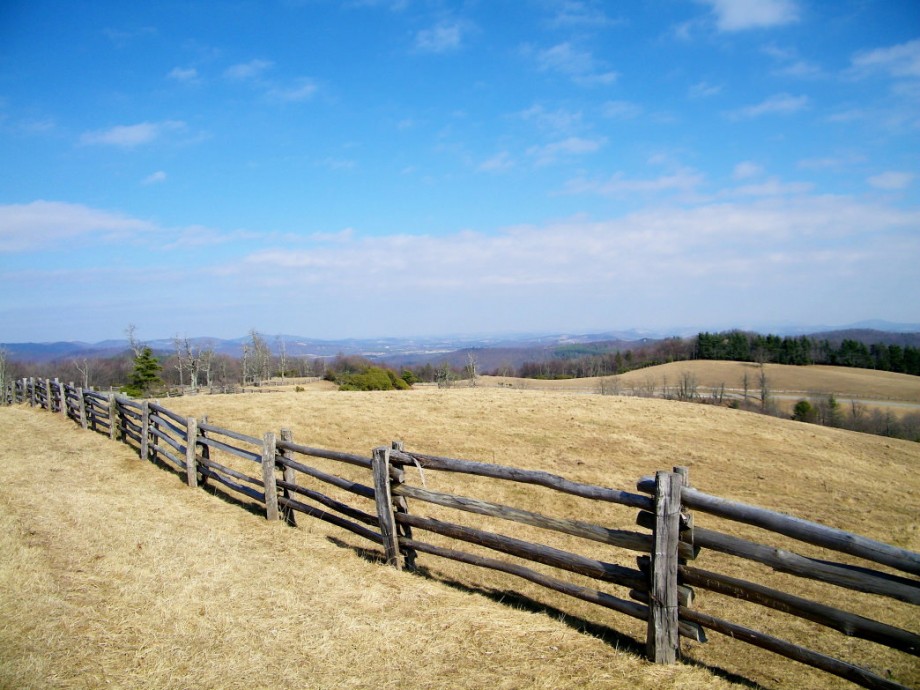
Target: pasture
x,y
162,586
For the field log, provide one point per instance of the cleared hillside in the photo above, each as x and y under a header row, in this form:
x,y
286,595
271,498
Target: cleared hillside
x,y
784,380
178,594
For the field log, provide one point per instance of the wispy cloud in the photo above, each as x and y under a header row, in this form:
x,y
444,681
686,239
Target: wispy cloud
x,y
574,13
891,180
902,60
571,146
154,178
185,75
579,65
500,162
560,120
300,90
779,104
47,225
746,170
740,15
131,136
441,38
621,110
248,70
703,89
617,185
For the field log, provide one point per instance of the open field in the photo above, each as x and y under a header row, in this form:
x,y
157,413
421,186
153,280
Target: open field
x,y
898,392
160,585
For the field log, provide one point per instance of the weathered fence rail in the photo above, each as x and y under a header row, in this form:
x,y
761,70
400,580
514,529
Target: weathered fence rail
x,y
295,479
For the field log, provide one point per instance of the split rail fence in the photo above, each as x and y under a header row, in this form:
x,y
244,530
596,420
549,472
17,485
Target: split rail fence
x,y
285,481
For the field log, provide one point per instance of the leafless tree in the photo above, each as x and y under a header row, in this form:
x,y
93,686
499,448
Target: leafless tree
x,y
471,368
83,367
282,353
687,387
717,394
764,389
261,357
136,346
746,385
180,359
206,359
608,385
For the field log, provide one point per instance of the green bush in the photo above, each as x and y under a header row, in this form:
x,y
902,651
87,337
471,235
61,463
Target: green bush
x,y
371,378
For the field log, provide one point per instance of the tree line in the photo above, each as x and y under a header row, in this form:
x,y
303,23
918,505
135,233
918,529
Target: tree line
x,y
753,347
591,360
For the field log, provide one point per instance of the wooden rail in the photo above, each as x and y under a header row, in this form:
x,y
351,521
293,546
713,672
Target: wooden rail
x,y
291,482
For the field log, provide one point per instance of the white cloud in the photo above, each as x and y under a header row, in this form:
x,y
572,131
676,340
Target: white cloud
x,y
154,178
780,104
300,90
441,38
762,243
771,187
581,14
683,180
891,180
571,146
703,89
902,60
247,70
746,170
559,120
181,74
130,136
621,110
48,225
498,163
738,15
580,65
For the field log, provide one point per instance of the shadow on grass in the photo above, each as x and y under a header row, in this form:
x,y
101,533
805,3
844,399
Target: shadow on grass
x,y
516,600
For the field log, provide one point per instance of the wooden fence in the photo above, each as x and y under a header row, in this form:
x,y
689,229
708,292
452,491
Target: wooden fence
x,y
367,496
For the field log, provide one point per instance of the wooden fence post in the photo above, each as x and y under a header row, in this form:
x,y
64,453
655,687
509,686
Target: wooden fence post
x,y
383,499
62,398
268,476
49,401
662,640
191,441
32,392
205,449
82,407
113,416
402,506
290,476
145,431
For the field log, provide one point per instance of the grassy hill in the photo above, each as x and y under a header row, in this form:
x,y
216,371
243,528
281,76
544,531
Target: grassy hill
x,y
112,572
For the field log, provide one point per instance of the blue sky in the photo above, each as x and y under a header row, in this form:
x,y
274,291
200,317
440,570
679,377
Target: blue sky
x,y
413,167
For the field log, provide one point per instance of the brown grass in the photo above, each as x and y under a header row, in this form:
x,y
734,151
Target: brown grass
x,y
197,592
844,382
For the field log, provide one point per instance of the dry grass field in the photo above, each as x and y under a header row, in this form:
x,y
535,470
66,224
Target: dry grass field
x,y
898,392
111,572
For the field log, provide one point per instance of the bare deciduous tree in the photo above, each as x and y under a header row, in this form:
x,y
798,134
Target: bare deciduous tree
x,y
137,347
83,367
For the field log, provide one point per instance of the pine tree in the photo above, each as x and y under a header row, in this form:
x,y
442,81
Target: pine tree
x,y
146,373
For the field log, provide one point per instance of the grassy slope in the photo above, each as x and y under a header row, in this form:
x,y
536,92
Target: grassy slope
x,y
104,580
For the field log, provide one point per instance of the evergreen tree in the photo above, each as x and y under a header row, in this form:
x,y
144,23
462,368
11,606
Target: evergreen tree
x,y
146,373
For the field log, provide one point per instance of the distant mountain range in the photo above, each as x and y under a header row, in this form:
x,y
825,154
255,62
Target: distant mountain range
x,y
492,351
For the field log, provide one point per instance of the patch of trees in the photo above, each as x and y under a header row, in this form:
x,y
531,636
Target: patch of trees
x,y
568,362
359,374
827,411
752,347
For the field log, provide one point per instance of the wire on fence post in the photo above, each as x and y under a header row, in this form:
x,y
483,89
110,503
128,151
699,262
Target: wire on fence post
x,y
402,506
383,499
